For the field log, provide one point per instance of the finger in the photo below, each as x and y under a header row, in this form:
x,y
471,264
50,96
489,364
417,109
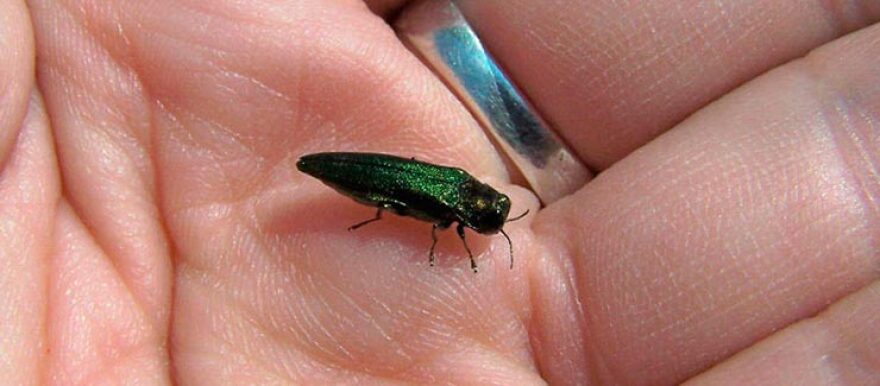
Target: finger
x,y
755,213
97,333
16,71
384,7
101,120
29,191
840,345
611,75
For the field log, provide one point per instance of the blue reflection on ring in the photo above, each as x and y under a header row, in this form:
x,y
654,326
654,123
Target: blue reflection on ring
x,y
495,95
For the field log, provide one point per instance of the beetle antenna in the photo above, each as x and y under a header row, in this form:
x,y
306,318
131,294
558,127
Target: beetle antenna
x,y
510,244
518,217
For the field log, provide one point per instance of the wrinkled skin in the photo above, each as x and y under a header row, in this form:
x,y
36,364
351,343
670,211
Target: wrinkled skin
x,y
153,228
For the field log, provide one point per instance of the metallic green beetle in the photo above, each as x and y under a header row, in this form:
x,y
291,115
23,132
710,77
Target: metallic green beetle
x,y
437,194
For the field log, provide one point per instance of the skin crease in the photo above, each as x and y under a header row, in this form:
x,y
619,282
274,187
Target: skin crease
x,y
154,230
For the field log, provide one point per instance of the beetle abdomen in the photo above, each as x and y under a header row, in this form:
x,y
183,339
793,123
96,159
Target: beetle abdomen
x,y
419,189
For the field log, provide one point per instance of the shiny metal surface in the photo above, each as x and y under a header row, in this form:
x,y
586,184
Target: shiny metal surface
x,y
437,31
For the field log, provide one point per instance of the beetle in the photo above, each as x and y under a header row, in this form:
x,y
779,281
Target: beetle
x,y
440,195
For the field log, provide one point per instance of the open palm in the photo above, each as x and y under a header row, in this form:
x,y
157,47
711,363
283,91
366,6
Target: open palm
x,y
154,229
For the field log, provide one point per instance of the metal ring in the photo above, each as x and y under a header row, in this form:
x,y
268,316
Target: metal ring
x,y
437,31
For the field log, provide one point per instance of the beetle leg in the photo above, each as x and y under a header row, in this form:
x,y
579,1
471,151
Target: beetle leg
x,y
433,244
460,230
362,223
441,226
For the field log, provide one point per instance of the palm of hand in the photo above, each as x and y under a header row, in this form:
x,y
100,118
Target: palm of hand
x,y
153,219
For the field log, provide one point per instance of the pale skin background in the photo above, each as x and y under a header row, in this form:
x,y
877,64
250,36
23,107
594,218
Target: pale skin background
x,y
154,230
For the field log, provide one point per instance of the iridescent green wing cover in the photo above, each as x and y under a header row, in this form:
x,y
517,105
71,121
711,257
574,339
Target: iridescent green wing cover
x,y
408,187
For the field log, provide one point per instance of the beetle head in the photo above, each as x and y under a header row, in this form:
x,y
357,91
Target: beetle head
x,y
483,209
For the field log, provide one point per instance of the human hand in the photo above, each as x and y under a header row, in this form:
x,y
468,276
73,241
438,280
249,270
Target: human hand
x,y
155,230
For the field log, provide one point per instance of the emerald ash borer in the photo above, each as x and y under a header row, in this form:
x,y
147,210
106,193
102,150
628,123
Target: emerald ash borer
x,y
440,195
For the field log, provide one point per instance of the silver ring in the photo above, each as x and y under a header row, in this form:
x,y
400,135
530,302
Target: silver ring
x,y
437,32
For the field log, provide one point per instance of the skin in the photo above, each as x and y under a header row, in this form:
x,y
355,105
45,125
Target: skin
x,y
154,230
